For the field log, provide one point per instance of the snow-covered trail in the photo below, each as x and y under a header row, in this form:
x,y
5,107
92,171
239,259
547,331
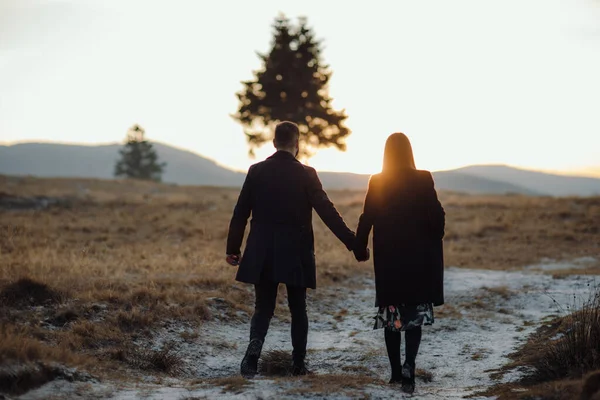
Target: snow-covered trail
x,y
488,314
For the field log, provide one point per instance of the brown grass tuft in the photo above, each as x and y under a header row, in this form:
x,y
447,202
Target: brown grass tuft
x,y
424,375
164,360
26,363
334,383
15,347
28,292
134,320
576,351
17,379
502,291
276,363
557,357
63,317
90,335
233,384
591,387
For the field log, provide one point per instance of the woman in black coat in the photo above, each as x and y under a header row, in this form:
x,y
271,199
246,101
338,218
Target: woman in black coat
x,y
408,220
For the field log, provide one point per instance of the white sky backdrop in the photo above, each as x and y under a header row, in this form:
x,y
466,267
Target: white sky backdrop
x,y
469,81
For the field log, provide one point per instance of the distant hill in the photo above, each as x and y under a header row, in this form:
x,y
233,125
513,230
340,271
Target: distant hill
x,y
444,180
556,185
61,160
187,168
460,182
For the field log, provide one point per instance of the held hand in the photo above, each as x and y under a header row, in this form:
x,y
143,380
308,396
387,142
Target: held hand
x,y
233,259
362,255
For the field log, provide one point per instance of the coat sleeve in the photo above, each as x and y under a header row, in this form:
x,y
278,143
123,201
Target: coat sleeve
x,y
327,211
436,215
365,222
241,213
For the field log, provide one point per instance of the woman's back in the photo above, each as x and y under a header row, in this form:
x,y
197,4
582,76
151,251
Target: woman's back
x,y
408,226
401,206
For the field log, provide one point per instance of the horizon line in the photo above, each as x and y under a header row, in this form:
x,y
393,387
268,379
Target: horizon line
x,y
586,172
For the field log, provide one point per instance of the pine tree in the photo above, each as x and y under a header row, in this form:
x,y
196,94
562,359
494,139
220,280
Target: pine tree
x,y
292,86
138,158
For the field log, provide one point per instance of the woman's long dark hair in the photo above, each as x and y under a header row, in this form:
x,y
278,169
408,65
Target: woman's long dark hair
x,y
398,154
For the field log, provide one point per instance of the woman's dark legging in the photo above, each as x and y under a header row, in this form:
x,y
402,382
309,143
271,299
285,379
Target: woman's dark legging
x,y
393,342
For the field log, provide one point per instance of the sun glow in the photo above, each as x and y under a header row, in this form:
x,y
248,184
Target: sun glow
x,y
465,89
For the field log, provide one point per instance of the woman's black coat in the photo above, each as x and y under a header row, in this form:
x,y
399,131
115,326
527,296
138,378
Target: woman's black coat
x,y
408,227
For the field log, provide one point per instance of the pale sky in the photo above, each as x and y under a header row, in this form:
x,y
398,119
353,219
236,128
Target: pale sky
x,y
469,81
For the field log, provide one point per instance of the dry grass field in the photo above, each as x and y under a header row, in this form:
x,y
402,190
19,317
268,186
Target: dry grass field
x,y
90,272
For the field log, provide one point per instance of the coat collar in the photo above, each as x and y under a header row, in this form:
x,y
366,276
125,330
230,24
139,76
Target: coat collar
x,y
282,155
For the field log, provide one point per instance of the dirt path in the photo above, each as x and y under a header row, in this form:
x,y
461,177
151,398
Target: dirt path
x,y
488,314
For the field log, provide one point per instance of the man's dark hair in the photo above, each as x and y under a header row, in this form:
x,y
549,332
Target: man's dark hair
x,y
286,134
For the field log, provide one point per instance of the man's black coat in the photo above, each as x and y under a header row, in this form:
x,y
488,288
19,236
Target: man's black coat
x,y
281,192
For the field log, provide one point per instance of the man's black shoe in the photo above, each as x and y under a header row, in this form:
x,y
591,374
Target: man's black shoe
x,y
299,368
249,366
408,388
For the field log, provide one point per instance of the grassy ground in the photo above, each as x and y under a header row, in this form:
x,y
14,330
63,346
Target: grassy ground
x,y
83,281
561,360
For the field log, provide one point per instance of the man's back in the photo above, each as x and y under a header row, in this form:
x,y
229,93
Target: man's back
x,y
280,193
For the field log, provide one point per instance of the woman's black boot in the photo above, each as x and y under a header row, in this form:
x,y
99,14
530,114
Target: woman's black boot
x,y
392,344
408,379
413,341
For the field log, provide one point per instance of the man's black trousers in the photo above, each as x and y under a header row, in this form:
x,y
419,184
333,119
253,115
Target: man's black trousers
x,y
266,299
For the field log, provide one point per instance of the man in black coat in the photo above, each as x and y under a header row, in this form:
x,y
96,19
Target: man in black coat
x,y
280,192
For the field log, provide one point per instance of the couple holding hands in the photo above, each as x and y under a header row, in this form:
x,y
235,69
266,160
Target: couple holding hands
x,y
407,219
